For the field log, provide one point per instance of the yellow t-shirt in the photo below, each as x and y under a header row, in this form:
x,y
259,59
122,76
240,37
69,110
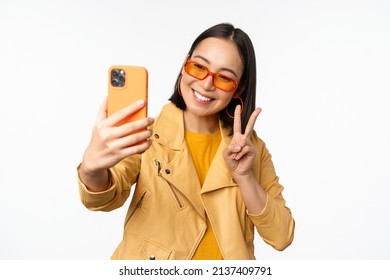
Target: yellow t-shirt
x,y
203,148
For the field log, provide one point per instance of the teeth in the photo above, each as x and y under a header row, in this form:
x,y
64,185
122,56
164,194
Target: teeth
x,y
201,97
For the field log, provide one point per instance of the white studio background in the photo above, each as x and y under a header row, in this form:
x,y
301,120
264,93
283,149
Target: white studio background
x,y
323,84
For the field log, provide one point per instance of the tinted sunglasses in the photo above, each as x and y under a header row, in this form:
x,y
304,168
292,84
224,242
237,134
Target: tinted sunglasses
x,y
200,72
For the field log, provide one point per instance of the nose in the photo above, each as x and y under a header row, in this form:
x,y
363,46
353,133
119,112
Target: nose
x,y
208,83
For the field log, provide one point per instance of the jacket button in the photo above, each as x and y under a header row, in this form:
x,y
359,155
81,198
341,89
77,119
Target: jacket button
x,y
152,258
156,136
167,171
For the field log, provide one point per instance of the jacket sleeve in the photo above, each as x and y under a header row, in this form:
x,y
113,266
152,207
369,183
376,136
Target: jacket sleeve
x,y
275,223
122,176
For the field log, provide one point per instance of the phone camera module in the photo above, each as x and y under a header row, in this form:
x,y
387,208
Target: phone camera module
x,y
118,78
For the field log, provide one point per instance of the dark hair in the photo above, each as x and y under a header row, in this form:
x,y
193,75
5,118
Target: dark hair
x,y
247,86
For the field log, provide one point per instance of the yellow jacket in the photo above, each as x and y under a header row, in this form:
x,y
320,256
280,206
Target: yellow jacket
x,y
166,217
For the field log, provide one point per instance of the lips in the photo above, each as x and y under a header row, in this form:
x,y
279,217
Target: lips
x,y
202,97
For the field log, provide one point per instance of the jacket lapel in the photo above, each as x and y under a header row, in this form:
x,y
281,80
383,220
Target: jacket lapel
x,y
219,176
169,132
182,174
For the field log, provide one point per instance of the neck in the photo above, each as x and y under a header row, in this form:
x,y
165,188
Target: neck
x,y
206,125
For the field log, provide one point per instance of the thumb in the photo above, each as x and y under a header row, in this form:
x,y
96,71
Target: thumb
x,y
102,113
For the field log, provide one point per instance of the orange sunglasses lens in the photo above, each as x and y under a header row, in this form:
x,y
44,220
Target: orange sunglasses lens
x,y
200,72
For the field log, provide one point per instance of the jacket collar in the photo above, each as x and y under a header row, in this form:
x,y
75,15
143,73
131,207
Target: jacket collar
x,y
169,131
169,128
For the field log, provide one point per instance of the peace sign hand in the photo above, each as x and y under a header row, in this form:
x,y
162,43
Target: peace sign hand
x,y
240,153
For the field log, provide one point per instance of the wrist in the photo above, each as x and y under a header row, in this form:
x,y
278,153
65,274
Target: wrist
x,y
243,177
94,180
88,170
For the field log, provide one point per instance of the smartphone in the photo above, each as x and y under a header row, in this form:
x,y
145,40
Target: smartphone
x,y
126,85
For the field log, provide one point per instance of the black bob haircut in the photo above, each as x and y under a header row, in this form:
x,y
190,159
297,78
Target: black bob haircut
x,y
247,85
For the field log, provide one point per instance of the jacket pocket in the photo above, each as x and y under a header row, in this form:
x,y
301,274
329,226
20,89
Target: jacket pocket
x,y
153,251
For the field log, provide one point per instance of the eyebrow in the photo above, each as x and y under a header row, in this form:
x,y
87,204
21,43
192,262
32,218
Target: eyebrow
x,y
224,68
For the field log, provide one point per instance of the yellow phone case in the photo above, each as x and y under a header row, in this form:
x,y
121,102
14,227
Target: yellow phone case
x,y
126,85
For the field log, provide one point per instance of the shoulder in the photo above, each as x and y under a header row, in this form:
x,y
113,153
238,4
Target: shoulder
x,y
260,146
168,126
168,111
257,141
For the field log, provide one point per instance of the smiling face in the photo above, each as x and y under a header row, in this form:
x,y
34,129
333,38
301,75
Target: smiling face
x,y
203,100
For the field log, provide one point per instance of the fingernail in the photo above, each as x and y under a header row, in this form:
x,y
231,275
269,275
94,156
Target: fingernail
x,y
140,103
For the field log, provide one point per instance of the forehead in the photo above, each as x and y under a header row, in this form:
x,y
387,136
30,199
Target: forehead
x,y
220,53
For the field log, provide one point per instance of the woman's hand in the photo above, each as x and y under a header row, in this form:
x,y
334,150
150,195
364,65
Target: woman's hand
x,y
239,156
240,153
111,143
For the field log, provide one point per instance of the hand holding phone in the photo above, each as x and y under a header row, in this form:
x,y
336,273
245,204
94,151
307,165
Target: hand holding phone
x,y
109,145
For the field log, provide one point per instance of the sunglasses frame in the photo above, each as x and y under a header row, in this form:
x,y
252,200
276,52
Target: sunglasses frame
x,y
209,73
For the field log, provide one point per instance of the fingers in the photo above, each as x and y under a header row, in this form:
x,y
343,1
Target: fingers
x,y
237,119
251,123
132,144
131,127
137,149
243,152
102,113
126,111
133,139
241,145
236,150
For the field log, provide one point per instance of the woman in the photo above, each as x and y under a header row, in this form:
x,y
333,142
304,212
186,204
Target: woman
x,y
204,180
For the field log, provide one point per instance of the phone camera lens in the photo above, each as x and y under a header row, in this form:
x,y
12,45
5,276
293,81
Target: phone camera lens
x,y
115,73
115,82
121,79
